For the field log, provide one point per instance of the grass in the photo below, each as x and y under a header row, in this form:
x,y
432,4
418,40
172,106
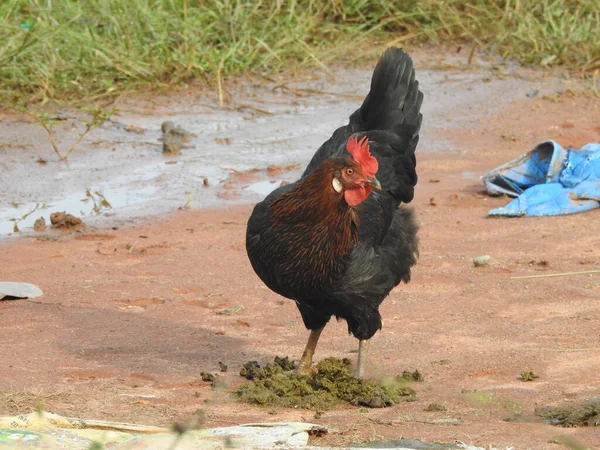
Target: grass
x,y
27,401
72,50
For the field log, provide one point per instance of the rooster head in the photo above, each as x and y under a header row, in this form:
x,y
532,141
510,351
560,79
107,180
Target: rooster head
x,y
357,176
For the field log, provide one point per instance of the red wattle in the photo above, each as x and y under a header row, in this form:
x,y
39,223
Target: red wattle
x,y
356,195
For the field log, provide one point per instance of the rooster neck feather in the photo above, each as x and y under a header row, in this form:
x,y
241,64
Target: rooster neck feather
x,y
318,225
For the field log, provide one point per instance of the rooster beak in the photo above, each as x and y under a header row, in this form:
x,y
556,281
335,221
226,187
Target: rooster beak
x,y
374,183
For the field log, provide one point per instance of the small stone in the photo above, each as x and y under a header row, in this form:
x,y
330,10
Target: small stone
x,y
481,261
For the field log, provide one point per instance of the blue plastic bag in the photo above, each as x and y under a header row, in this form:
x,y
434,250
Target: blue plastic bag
x,y
548,181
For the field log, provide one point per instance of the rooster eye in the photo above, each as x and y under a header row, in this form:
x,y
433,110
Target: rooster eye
x,y
349,171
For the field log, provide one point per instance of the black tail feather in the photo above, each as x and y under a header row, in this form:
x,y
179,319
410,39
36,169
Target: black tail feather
x,y
392,107
394,101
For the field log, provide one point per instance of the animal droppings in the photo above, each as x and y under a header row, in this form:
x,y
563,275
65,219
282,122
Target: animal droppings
x,y
587,415
278,384
528,375
207,376
412,376
435,407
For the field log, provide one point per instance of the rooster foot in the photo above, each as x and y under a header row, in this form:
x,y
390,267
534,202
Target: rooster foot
x,y
363,347
306,368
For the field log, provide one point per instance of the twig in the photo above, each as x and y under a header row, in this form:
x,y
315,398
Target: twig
x,y
592,349
562,274
23,217
88,127
302,92
220,84
254,109
347,430
50,136
472,53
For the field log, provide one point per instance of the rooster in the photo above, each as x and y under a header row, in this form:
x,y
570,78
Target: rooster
x,y
337,241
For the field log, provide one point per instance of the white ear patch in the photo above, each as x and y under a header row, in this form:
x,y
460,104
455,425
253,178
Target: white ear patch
x,y
337,185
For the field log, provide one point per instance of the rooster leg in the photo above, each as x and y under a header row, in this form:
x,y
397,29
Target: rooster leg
x,y
363,347
305,366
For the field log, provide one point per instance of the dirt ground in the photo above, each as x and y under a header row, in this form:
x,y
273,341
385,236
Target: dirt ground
x,y
131,316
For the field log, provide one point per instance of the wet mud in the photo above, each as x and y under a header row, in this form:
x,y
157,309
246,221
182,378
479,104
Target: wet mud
x,y
159,153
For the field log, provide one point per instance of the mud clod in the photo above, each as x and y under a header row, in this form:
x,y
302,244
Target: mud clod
x,y
174,137
167,126
586,415
65,221
170,129
39,224
278,384
172,145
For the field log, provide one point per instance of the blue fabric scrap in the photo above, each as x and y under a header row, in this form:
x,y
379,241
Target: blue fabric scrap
x,y
548,181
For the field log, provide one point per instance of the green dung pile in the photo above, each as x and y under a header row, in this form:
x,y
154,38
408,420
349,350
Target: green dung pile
x,y
278,384
586,415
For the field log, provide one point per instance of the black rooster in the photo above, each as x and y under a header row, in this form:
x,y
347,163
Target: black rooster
x,y
337,241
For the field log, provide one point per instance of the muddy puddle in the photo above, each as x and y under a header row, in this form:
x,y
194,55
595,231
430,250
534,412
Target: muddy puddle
x,y
119,171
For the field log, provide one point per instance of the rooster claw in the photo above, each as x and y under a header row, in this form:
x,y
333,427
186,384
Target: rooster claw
x,y
306,369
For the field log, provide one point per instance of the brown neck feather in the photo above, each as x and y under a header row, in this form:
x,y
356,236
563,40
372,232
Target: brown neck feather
x,y
319,222
314,200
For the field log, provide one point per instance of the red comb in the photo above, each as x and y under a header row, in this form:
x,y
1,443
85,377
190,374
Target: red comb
x,y
360,152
